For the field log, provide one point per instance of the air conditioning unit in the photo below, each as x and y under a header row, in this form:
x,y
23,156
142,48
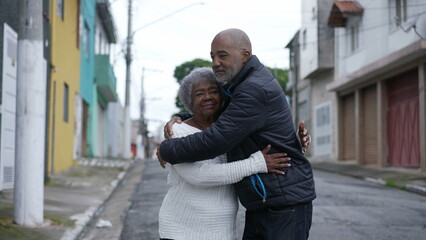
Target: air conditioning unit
x,y
8,107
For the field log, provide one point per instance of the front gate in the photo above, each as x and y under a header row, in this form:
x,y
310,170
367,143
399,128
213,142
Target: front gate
x,y
403,120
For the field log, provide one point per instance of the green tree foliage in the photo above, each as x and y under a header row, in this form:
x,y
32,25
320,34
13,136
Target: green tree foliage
x,y
184,69
281,75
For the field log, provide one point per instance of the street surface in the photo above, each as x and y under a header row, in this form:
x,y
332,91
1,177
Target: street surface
x,y
346,208
352,209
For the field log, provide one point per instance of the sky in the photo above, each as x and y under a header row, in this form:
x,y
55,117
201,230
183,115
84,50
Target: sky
x,y
168,33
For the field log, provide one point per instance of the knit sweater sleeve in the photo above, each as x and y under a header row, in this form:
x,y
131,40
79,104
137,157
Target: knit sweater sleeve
x,y
209,174
216,172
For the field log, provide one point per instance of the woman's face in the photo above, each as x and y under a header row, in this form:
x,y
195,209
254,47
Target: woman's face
x,y
206,99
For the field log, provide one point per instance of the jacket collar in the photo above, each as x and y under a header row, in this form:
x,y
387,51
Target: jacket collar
x,y
252,64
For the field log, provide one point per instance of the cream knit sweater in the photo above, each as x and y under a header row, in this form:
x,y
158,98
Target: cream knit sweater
x,y
201,202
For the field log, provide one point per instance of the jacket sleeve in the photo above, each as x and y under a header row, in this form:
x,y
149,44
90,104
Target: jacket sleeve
x,y
244,115
183,115
205,174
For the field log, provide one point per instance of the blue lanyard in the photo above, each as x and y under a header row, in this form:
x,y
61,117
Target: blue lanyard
x,y
227,92
262,194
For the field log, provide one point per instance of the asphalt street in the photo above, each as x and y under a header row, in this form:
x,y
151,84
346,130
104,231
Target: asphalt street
x,y
346,208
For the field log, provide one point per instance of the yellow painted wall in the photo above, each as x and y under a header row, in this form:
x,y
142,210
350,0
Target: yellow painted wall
x,y
65,70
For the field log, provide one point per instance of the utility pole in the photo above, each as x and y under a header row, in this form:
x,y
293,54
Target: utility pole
x,y
143,128
143,122
30,116
128,58
127,97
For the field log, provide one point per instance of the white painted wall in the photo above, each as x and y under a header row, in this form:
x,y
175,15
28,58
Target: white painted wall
x,y
78,126
320,97
101,141
308,38
115,130
379,35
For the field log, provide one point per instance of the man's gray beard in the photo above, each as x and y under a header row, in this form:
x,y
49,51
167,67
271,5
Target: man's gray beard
x,y
223,80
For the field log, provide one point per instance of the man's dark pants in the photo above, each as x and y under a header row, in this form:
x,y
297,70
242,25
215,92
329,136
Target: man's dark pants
x,y
287,223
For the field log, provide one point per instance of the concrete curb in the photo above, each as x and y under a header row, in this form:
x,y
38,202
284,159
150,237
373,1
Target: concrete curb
x,y
84,219
410,187
415,188
375,180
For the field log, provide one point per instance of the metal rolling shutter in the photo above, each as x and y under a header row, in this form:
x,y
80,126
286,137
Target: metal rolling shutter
x,y
369,130
348,127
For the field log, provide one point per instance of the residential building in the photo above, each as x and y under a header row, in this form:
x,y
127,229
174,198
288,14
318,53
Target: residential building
x,y
379,77
63,84
105,82
313,48
47,58
371,84
85,144
98,83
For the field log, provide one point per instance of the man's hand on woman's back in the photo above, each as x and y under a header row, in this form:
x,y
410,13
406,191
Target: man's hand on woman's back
x,y
275,161
168,128
304,137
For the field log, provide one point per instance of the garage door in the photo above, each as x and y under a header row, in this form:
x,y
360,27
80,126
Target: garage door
x,y
348,127
369,126
403,120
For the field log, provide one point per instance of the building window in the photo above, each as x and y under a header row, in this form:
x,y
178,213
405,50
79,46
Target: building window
x,y
304,39
66,102
323,129
85,41
100,44
354,37
397,13
400,11
323,115
60,8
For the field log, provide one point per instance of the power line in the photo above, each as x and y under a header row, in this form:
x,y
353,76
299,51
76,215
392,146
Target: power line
x,y
362,30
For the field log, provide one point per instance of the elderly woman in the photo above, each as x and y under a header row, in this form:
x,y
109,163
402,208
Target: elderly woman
x,y
201,202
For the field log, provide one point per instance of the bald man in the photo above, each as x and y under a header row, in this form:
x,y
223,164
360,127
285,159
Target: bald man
x,y
279,206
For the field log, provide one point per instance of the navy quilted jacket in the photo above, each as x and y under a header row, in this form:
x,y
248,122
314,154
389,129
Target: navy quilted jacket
x,y
257,115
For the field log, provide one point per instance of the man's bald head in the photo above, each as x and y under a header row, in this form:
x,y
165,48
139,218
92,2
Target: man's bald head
x,y
230,50
236,38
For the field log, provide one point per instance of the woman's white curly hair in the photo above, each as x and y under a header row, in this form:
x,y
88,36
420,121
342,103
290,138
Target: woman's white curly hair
x,y
196,76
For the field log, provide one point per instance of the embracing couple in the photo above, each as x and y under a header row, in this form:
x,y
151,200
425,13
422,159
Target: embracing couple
x,y
238,142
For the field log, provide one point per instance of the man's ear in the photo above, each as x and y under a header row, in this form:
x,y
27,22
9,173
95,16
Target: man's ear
x,y
245,55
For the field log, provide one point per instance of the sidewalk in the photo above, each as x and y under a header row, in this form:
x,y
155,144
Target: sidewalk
x,y
71,200
77,196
